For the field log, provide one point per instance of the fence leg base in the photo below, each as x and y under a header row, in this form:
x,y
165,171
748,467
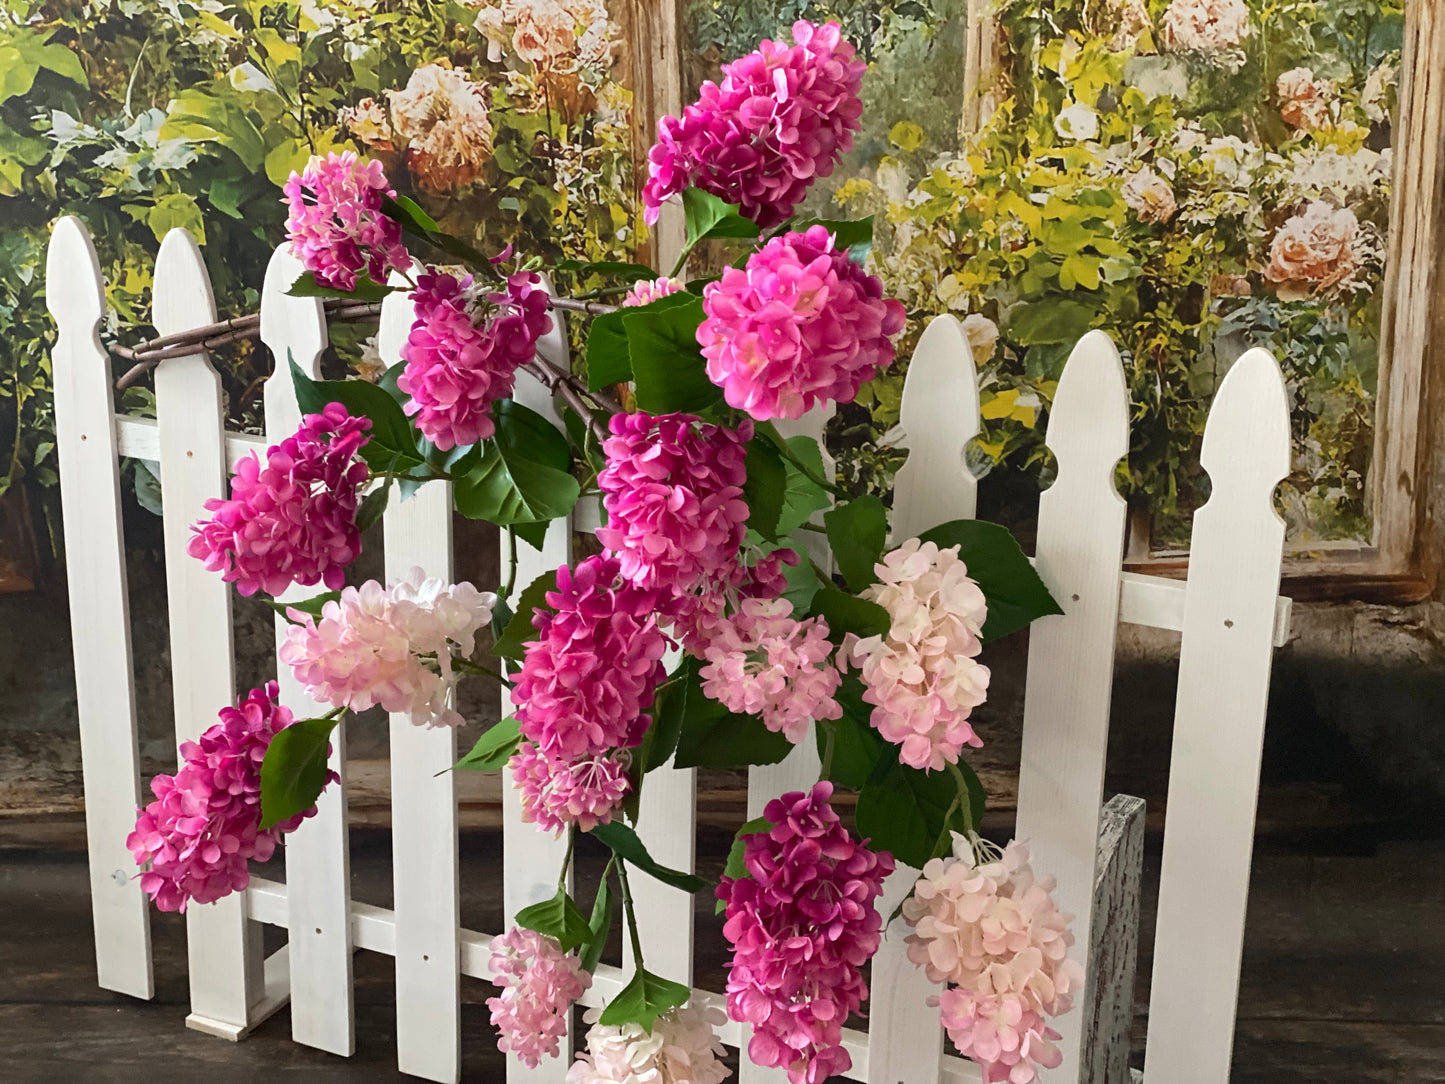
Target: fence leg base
x,y
277,993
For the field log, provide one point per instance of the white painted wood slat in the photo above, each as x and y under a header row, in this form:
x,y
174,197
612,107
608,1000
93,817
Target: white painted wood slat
x,y
99,609
425,864
1071,656
223,954
1224,668
318,861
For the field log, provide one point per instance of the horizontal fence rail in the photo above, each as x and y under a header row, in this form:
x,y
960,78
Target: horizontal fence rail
x,y
1228,611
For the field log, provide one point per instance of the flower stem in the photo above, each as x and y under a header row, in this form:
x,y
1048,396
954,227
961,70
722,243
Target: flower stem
x,y
631,916
567,858
965,803
511,565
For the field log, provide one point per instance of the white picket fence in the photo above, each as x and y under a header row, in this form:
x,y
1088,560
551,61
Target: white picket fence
x,y
1228,612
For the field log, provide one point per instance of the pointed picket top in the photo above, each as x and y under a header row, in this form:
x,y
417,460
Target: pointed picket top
x,y
74,287
939,416
397,313
293,329
1246,439
182,292
1089,418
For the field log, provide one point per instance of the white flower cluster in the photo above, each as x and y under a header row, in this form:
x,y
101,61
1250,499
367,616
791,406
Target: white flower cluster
x,y
683,1048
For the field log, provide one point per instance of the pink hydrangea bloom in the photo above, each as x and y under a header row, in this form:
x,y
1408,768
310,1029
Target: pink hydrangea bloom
x,y
682,1048
463,352
293,519
922,675
802,924
557,793
763,661
800,324
983,924
649,290
780,118
539,984
194,840
594,668
367,646
335,224
673,490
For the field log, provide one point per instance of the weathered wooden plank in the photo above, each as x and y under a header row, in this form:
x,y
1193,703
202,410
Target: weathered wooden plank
x,y
1107,1007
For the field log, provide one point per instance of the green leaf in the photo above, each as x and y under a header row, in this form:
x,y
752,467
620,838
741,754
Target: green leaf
x,y
373,506
1016,596
855,235
857,747
557,918
392,438
706,216
1052,320
802,496
608,358
310,605
493,749
667,714
857,533
668,368
418,223
625,843
901,810
293,773
522,477
847,613
604,910
765,487
365,290
802,578
643,1000
512,643
409,214
713,737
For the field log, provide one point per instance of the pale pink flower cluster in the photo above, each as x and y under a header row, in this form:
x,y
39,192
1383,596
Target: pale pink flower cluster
x,y
780,118
335,225
1204,26
557,792
1149,196
463,352
194,840
923,676
762,661
1304,100
647,291
445,121
293,519
802,924
800,324
682,1048
673,491
699,617
984,925
539,984
1313,251
369,645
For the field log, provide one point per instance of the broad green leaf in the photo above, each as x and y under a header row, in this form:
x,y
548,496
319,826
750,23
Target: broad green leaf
x,y
177,210
558,918
392,438
1051,320
901,810
418,223
667,715
310,605
713,737
409,214
1016,596
802,578
366,290
643,1000
857,533
625,843
802,496
493,749
668,368
373,506
604,910
706,216
522,477
857,747
764,488
608,359
512,643
293,773
847,613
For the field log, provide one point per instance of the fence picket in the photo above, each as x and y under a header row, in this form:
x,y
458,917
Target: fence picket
x,y
1080,553
318,861
425,862
99,608
1224,666
531,859
223,949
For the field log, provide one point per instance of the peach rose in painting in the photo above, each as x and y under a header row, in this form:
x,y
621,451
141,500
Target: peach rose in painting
x,y
543,31
1204,26
982,336
368,122
1150,197
1303,99
1313,251
1229,285
446,120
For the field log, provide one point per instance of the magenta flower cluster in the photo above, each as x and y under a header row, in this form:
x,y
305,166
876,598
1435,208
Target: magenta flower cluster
x,y
464,350
780,118
193,842
293,519
800,324
673,491
585,684
539,984
802,924
335,223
